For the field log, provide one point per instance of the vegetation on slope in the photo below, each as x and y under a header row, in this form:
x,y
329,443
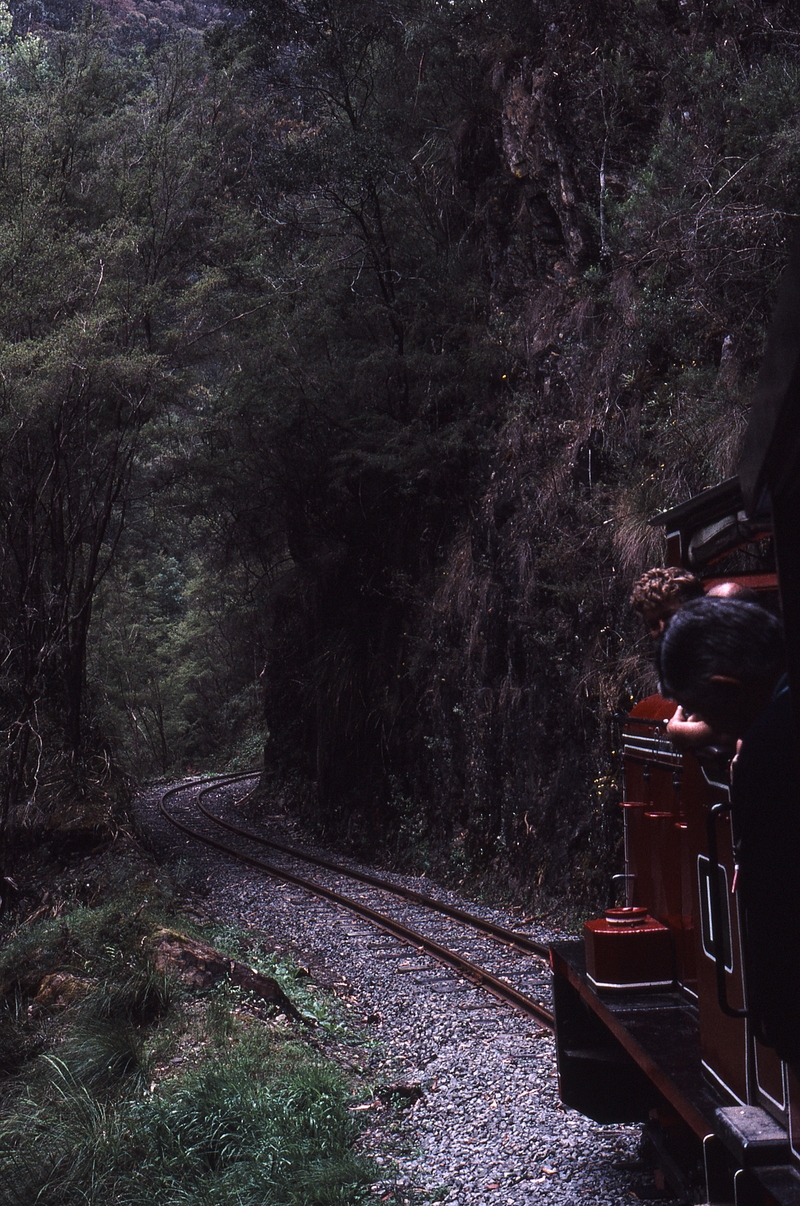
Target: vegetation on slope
x,y
119,1082
363,342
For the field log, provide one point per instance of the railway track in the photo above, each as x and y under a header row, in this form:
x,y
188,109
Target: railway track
x,y
511,966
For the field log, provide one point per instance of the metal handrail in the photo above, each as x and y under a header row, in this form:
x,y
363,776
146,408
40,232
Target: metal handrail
x,y
717,943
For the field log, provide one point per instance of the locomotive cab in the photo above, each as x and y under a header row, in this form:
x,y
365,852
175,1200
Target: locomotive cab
x,y
651,1007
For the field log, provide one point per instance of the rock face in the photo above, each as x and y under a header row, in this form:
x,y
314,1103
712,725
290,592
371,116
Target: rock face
x,y
200,965
538,151
60,989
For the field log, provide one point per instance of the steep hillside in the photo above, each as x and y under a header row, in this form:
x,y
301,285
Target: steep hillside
x,y
623,177
146,22
420,311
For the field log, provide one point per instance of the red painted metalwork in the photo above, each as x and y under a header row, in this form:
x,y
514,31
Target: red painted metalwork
x,y
625,953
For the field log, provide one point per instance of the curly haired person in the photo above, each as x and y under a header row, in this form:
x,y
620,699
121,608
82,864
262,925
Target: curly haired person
x,y
660,592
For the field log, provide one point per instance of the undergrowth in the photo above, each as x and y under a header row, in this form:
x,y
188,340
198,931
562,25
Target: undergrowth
x,y
257,1127
120,1084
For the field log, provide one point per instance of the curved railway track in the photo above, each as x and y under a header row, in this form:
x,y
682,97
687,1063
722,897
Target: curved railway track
x,y
512,966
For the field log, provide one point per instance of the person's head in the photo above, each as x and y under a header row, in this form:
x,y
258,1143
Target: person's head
x,y
660,592
732,590
720,660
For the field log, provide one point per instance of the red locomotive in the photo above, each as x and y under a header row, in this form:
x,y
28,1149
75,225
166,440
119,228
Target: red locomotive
x,y
652,1020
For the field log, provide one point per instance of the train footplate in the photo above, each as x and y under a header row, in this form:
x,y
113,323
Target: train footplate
x,y
655,1032
752,1136
653,1042
736,1155
760,1147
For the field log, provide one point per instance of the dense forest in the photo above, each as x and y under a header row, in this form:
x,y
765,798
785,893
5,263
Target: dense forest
x,y
346,349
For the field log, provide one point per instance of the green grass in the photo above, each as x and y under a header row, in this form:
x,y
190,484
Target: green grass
x,y
141,1091
294,981
254,1128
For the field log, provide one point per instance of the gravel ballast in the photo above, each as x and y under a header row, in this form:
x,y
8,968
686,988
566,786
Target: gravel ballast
x,y
479,1121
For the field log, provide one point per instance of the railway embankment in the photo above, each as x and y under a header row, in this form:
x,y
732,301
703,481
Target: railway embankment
x,y
150,1054
462,1103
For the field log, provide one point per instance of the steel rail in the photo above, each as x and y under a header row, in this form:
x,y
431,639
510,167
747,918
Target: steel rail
x,y
469,971
521,942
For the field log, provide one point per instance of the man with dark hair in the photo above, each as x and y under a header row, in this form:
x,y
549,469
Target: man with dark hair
x,y
723,660
733,590
688,731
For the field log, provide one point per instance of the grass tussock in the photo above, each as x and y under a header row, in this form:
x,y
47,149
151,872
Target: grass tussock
x,y
254,1128
118,1083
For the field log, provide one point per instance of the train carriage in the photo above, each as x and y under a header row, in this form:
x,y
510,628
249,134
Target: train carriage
x,y
651,1007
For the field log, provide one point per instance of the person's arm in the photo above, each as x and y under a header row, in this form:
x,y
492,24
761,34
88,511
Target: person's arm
x,y
688,732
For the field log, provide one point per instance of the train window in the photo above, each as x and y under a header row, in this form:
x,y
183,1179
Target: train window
x,y
705,884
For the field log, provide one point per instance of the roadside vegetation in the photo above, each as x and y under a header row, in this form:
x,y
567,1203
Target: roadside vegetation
x,y
122,1082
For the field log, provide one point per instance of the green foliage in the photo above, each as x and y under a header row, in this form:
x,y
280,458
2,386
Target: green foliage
x,y
372,335
105,941
113,182
251,1129
175,658
96,1106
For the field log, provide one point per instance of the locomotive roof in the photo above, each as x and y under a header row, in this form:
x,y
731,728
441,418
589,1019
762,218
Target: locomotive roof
x,y
705,507
710,525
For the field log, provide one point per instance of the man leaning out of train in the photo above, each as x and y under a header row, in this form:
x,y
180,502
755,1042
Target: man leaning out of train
x,y
724,661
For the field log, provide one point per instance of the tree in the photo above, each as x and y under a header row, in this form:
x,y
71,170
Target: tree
x,y
116,172
358,420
